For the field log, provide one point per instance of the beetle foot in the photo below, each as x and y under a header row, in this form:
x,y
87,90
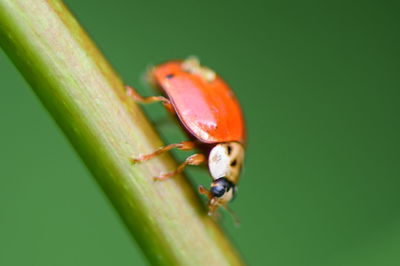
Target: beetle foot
x,y
141,158
135,160
162,177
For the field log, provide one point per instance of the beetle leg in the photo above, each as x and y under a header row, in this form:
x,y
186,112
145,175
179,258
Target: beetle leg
x,y
195,159
152,99
204,191
184,145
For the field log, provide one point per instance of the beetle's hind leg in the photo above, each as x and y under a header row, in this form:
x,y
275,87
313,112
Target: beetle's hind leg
x,y
184,145
151,99
195,159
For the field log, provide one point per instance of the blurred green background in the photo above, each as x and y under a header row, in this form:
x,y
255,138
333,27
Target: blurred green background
x,y
319,83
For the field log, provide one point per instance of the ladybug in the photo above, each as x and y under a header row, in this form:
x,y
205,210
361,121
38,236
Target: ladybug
x,y
210,114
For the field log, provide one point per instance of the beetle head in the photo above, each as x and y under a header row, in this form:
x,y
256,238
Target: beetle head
x,y
221,192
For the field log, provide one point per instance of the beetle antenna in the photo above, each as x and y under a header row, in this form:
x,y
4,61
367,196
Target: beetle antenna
x,y
234,215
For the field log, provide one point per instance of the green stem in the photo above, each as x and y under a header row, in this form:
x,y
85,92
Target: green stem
x,y
87,100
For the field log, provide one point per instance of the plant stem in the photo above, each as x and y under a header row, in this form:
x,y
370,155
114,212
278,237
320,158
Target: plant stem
x,y
87,100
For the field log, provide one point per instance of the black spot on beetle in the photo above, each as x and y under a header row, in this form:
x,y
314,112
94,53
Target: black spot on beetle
x,y
169,76
234,163
229,150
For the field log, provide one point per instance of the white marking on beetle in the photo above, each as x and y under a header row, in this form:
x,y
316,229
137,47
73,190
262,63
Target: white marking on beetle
x,y
225,160
192,65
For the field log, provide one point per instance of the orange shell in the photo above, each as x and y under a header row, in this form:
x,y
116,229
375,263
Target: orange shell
x,y
208,109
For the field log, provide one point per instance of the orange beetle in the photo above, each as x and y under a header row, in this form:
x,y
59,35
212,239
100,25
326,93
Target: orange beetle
x,y
209,112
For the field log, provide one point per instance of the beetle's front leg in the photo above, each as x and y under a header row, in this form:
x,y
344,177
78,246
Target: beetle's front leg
x,y
195,159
